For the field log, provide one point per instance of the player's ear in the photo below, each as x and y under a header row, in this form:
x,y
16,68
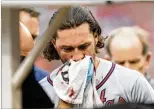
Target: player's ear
x,y
107,57
54,43
148,60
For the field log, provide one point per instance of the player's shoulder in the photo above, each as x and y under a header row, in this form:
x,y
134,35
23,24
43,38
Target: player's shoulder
x,y
126,72
47,83
43,80
118,71
103,68
48,79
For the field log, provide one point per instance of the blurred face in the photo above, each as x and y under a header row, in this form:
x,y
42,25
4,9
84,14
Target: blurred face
x,y
32,23
75,43
34,27
127,51
26,40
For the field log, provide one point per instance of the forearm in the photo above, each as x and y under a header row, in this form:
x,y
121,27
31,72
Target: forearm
x,y
64,105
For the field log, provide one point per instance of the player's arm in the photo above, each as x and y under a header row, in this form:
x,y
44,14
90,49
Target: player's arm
x,y
142,92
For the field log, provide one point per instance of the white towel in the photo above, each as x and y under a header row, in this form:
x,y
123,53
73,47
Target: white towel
x,y
75,83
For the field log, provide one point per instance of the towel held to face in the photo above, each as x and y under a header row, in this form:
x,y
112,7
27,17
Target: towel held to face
x,y
75,83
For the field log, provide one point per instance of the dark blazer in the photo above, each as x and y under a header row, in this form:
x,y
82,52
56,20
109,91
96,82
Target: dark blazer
x,y
33,96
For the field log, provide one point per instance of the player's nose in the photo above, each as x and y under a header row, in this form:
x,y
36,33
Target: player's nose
x,y
77,56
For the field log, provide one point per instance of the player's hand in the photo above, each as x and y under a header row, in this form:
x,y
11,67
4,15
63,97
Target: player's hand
x,y
64,105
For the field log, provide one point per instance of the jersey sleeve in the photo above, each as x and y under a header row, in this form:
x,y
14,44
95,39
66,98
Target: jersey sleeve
x,y
142,92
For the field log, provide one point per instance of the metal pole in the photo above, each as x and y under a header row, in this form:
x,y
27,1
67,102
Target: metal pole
x,y
27,64
11,97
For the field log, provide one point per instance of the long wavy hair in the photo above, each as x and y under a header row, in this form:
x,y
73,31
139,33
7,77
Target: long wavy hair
x,y
77,15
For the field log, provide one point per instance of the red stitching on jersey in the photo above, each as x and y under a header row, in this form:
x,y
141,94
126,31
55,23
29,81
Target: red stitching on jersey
x,y
60,69
106,77
102,97
49,80
109,102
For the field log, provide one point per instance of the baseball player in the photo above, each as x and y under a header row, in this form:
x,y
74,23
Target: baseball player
x,y
80,35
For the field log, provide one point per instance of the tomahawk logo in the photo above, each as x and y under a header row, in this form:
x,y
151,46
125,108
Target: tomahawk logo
x,y
110,102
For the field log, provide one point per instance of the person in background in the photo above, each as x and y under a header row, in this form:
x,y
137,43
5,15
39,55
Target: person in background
x,y
128,46
29,19
32,92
